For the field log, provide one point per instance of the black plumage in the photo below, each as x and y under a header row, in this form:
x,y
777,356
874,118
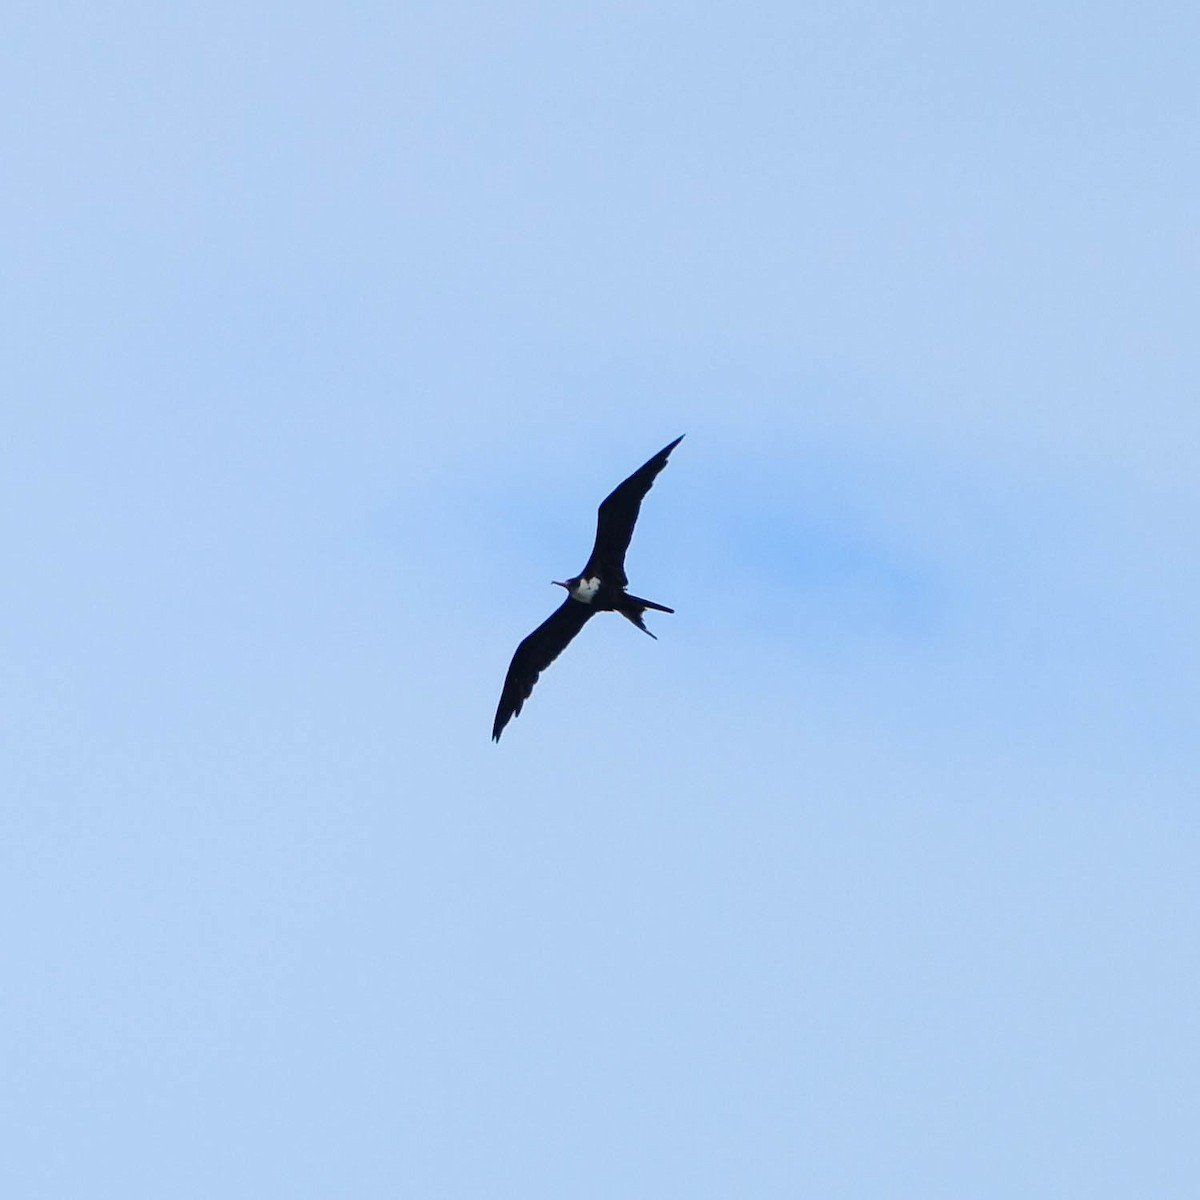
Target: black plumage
x,y
599,587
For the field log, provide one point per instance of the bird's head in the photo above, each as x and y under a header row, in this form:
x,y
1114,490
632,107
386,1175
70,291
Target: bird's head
x,y
580,588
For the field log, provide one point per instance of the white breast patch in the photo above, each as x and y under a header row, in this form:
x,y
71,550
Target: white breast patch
x,y
586,590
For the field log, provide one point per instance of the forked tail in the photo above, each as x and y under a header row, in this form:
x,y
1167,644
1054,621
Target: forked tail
x,y
633,607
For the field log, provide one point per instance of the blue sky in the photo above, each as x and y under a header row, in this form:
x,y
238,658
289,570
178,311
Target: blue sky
x,y
326,330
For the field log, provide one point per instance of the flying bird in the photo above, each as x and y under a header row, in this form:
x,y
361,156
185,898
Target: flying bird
x,y
599,587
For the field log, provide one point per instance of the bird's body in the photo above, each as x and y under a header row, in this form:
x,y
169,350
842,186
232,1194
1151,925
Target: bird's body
x,y
599,587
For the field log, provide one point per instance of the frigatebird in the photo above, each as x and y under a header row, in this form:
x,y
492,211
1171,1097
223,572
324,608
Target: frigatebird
x,y
599,587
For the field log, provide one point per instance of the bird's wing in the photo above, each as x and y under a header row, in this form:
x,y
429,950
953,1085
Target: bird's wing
x,y
534,655
616,517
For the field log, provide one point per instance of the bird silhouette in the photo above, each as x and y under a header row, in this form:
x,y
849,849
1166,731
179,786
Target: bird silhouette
x,y
599,587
